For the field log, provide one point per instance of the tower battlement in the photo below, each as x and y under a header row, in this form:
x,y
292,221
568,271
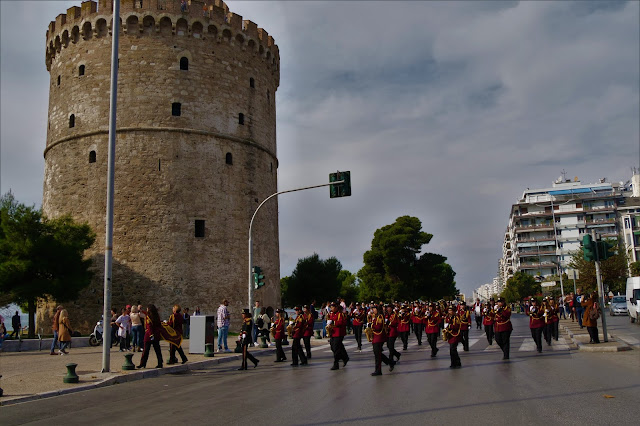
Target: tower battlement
x,y
208,21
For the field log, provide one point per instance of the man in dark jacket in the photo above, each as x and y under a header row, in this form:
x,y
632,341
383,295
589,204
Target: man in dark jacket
x,y
15,323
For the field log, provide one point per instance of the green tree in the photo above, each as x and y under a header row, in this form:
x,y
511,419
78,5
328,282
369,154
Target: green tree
x,y
349,290
614,271
393,271
519,286
40,257
635,269
313,279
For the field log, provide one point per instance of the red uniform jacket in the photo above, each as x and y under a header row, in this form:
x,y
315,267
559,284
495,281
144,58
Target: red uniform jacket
x,y
536,320
279,329
299,325
465,319
393,325
416,317
554,315
404,323
358,318
502,320
379,335
175,322
308,319
488,317
454,328
340,322
433,323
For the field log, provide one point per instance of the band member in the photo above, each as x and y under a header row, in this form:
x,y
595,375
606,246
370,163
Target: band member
x,y
278,331
555,320
536,323
358,319
488,315
152,336
379,338
308,331
465,324
452,333
546,314
477,311
176,321
432,327
403,327
299,326
391,320
502,326
337,324
417,317
245,340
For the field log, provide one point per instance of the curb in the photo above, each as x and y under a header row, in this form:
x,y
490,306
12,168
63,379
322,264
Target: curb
x,y
118,378
620,346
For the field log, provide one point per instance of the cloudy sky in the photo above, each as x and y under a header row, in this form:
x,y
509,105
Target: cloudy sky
x,y
445,111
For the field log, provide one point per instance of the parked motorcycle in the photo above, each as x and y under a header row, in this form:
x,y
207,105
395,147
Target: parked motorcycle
x,y
95,338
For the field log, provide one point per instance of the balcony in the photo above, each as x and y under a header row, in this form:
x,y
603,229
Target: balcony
x,y
536,265
536,253
537,227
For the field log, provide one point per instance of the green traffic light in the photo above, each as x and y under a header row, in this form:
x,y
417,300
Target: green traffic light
x,y
588,249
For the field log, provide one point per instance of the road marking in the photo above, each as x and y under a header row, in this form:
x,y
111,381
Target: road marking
x,y
528,345
560,345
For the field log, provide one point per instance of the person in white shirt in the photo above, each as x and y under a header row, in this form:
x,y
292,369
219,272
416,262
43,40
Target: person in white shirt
x,y
124,329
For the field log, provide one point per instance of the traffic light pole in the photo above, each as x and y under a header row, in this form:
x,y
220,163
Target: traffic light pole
x,y
251,229
600,289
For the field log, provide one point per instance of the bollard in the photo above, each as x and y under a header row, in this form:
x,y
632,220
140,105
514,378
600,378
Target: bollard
x,y
208,350
128,364
71,376
318,336
263,340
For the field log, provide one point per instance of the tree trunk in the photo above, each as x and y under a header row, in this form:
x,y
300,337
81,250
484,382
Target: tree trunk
x,y
32,318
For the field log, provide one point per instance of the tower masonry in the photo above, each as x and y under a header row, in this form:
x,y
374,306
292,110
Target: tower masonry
x,y
195,152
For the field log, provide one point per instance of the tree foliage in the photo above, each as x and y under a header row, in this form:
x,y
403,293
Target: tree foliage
x,y
519,286
349,290
40,257
312,279
635,269
393,270
614,271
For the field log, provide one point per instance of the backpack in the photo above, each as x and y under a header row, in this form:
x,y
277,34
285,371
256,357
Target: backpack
x,y
594,314
260,322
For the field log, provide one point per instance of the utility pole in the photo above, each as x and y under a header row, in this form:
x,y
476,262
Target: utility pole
x,y
600,288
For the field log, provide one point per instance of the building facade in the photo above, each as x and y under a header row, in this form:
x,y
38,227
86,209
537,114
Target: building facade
x,y
195,151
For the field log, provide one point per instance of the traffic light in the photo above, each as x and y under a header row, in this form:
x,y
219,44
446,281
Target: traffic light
x,y
258,277
603,250
588,248
340,190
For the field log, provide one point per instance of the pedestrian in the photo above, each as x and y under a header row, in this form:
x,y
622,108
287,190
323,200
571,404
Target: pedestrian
x,y
197,311
577,303
114,327
64,332
265,324
380,337
308,331
176,321
55,327
15,324
569,303
255,316
152,336
452,334
536,323
323,317
278,331
592,312
3,334
502,327
137,329
337,323
187,323
299,326
223,321
124,329
477,310
245,339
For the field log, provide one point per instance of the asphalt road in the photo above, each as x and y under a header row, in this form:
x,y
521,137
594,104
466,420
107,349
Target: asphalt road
x,y
559,386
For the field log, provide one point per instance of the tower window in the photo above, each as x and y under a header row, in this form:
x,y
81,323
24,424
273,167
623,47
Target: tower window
x,y
252,83
199,228
72,121
184,63
92,157
81,70
241,118
58,80
229,158
176,109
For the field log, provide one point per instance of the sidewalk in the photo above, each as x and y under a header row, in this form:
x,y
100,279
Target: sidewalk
x,y
27,376
580,337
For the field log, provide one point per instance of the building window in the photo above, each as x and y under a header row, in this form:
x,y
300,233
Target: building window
x,y
241,118
81,70
184,63
92,157
252,83
72,121
176,109
199,228
229,158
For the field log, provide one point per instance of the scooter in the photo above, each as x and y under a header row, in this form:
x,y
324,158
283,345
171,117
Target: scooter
x,y
95,338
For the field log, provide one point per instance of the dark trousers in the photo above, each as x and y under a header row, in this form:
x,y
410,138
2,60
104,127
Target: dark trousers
x,y
404,336
417,329
432,338
339,352
555,329
503,339
357,331
546,332
147,348
479,322
464,334
280,356
488,330
593,333
172,354
380,357
307,345
391,343
536,333
453,352
297,352
579,314
246,355
114,335
16,331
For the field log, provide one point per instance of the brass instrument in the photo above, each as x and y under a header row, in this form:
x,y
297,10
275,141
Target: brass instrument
x,y
290,330
446,334
273,330
369,333
329,329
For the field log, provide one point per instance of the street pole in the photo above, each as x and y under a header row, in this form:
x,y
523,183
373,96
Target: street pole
x,y
251,228
600,288
108,244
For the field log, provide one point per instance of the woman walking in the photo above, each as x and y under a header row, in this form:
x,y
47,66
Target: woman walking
x,y
152,336
245,339
591,314
137,329
64,332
